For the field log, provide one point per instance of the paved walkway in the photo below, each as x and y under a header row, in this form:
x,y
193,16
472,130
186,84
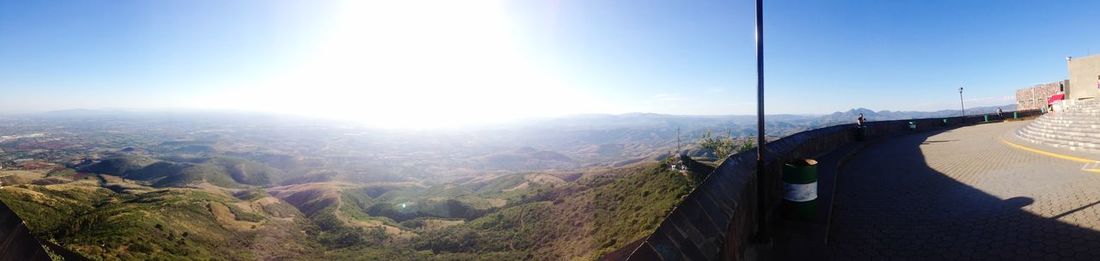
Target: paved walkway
x,y
962,194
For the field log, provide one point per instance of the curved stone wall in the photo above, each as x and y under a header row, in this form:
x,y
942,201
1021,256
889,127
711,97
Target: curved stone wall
x,y
715,221
16,241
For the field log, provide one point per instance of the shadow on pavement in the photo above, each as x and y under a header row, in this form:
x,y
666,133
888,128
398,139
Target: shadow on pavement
x,y
890,205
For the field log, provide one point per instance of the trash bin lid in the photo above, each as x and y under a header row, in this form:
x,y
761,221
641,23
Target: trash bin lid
x,y
805,162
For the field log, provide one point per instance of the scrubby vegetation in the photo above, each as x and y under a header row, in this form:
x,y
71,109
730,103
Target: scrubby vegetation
x,y
724,146
596,215
222,171
521,216
102,224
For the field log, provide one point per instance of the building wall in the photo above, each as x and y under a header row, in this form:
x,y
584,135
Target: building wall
x,y
1035,97
1083,73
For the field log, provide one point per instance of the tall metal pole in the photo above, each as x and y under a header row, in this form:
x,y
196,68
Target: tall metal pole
x,y
963,107
678,149
761,189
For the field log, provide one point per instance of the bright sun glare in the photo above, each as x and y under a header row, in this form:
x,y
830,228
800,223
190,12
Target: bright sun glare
x,y
411,64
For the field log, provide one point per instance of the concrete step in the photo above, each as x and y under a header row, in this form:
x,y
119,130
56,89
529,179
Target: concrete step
x,y
1058,143
1076,111
1069,119
1076,128
1068,132
1074,116
1067,127
1075,133
1073,119
1079,112
1069,122
1076,138
1093,127
1059,140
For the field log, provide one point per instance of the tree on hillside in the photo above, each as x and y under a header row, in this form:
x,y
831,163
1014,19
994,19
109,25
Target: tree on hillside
x,y
724,146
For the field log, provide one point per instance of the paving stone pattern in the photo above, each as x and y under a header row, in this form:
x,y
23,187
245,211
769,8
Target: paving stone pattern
x,y
962,194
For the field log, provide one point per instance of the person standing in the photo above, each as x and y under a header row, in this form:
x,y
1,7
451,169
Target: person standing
x,y
861,128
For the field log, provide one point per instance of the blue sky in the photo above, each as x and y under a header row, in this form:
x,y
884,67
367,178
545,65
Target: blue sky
x,y
489,60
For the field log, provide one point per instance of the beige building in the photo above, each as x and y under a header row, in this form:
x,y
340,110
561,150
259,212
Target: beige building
x,y
1084,77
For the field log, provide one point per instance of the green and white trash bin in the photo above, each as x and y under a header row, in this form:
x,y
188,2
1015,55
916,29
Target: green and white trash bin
x,y
800,189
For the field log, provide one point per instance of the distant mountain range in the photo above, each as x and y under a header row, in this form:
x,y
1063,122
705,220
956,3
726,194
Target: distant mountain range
x,y
884,115
561,143
587,138
735,125
580,121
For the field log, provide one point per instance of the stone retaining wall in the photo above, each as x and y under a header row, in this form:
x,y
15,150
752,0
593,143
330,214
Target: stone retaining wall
x,y
16,241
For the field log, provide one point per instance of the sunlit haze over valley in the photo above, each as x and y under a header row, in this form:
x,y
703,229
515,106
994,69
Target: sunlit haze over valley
x,y
438,63
549,130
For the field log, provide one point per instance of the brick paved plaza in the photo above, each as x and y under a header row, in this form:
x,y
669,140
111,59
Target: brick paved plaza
x,y
963,194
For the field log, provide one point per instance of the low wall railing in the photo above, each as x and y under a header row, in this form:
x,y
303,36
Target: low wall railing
x,y
16,241
715,220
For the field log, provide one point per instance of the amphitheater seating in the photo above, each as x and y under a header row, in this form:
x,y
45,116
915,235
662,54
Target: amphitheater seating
x,y
1077,128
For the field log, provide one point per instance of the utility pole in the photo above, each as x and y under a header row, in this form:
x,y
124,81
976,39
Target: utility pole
x,y
678,149
761,211
963,107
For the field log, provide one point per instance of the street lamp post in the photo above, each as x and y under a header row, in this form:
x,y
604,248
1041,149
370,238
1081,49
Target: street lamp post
x,y
963,107
761,187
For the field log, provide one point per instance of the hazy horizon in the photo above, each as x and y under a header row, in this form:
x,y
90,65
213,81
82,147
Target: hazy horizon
x,y
504,124
543,130
426,63
245,111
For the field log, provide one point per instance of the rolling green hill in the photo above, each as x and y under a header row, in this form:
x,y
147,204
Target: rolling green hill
x,y
160,224
221,171
599,214
119,164
157,209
